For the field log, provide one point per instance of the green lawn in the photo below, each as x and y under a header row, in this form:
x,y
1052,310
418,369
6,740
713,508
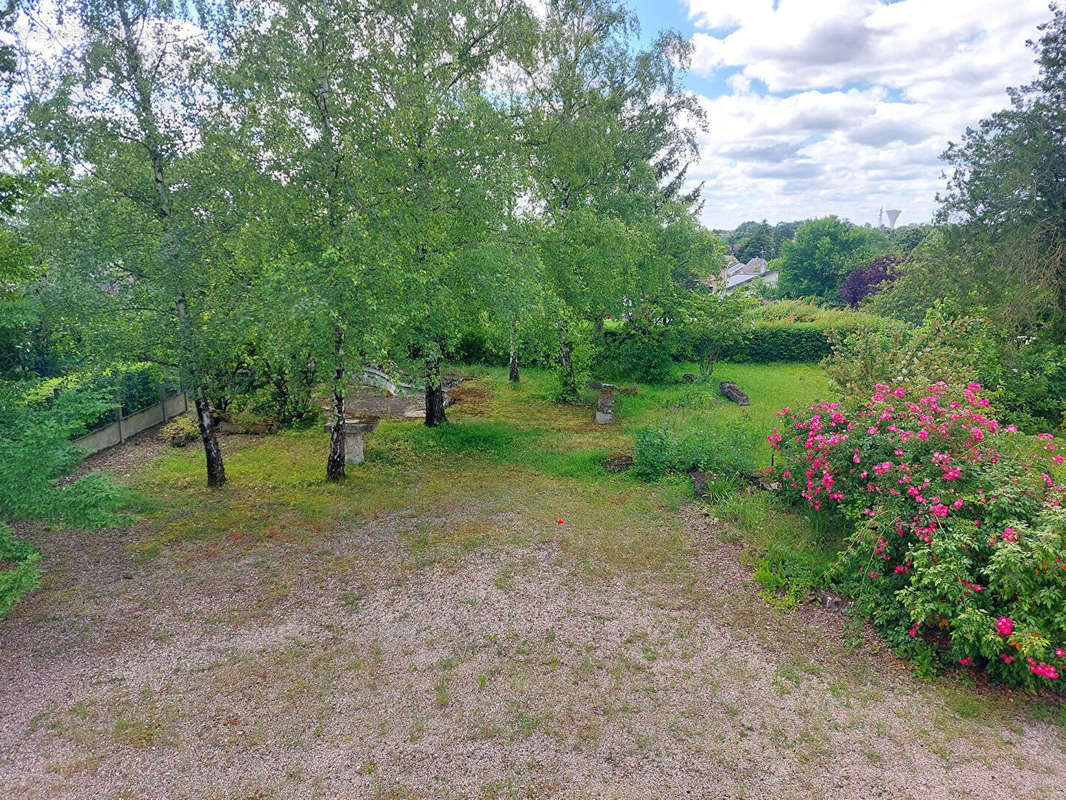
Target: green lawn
x,y
508,449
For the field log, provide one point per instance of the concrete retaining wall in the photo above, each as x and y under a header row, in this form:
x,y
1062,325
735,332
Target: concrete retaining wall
x,y
118,431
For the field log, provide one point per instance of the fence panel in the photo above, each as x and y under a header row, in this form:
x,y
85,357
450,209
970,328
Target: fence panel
x,y
142,420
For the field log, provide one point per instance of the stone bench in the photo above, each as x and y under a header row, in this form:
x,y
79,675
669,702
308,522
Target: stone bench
x,y
354,428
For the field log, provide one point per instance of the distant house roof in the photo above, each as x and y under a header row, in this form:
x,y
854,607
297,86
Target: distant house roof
x,y
733,281
740,279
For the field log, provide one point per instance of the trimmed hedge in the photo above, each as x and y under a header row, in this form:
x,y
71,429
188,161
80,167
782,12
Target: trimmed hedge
x,y
779,340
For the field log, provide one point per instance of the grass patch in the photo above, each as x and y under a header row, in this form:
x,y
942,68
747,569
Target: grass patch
x,y
504,470
789,554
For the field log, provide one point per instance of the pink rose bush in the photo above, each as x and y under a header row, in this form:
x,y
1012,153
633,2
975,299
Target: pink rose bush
x,y
953,525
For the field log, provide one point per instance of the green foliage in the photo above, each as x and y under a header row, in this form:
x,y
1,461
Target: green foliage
x,y
908,237
963,271
943,349
754,240
642,354
758,240
19,570
694,326
1026,379
796,331
824,251
1007,186
781,341
1028,382
486,340
181,431
36,451
724,450
790,555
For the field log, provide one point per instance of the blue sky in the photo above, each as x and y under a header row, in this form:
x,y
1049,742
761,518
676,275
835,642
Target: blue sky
x,y
841,106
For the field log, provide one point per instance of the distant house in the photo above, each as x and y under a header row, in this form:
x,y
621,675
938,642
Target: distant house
x,y
739,274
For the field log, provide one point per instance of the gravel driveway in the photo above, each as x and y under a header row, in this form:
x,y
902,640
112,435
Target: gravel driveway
x,y
507,671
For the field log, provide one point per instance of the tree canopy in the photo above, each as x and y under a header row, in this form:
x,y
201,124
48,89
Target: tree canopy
x,y
824,251
1008,179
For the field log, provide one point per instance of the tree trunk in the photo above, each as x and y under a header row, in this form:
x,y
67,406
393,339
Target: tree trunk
x,y
597,324
335,464
570,393
434,394
216,471
513,376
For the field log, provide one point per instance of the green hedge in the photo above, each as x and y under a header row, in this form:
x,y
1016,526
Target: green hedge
x,y
769,341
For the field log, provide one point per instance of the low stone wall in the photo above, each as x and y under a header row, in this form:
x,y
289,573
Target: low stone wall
x,y
120,430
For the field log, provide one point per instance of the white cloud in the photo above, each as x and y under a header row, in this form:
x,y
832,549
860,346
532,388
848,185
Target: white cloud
x,y
861,98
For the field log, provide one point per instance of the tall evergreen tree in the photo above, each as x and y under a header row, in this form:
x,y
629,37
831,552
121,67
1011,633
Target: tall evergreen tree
x,y
1008,184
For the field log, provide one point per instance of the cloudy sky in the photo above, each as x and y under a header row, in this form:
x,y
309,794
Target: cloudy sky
x,y
841,106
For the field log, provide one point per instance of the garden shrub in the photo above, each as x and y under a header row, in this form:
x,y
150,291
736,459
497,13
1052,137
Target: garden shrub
x,y
1030,383
487,340
1025,380
912,358
19,572
953,525
181,431
724,451
35,451
133,386
637,352
695,327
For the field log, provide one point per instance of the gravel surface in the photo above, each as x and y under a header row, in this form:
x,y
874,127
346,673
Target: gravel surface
x,y
281,671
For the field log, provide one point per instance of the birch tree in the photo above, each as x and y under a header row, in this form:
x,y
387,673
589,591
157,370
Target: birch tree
x,y
611,133
450,165
307,93
121,106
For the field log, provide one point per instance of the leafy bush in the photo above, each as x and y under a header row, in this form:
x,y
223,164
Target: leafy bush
x,y
19,572
487,340
35,450
133,386
640,352
912,358
181,431
725,451
1026,379
696,327
954,526
1029,381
